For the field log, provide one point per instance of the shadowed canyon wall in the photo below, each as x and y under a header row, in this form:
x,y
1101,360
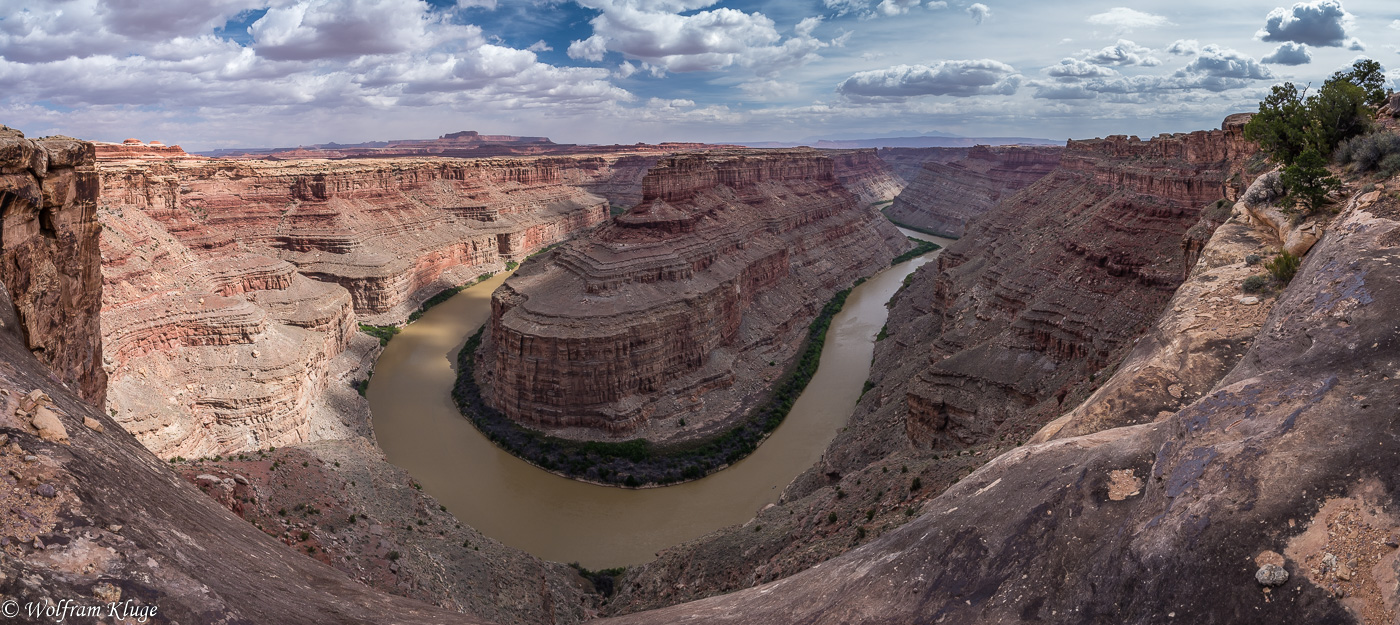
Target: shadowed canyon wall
x,y
944,196
1061,277
686,298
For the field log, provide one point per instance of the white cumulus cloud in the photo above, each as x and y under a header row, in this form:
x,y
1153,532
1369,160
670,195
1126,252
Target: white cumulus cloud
x,y
1123,19
979,12
961,78
1321,23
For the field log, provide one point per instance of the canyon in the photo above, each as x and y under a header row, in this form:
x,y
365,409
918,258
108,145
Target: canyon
x,y
667,322
1074,411
944,195
232,288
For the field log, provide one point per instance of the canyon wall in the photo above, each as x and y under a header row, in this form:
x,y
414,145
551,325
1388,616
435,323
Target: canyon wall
x,y
665,321
864,174
1059,279
945,195
906,163
48,260
232,287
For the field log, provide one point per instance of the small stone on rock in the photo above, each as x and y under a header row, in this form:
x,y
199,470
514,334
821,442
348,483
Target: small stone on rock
x,y
46,490
1271,575
1249,300
93,424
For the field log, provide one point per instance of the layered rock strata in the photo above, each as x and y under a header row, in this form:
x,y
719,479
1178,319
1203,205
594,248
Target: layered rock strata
x,y
944,196
676,309
865,175
48,238
908,162
233,287
1060,278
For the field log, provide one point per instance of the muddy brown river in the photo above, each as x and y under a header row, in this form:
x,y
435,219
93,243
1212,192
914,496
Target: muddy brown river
x,y
563,520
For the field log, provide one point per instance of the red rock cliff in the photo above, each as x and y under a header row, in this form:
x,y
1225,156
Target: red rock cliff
x,y
677,307
48,253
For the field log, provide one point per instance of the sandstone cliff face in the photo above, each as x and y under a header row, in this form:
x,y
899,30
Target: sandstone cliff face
x,y
384,229
48,259
233,287
944,196
676,308
864,174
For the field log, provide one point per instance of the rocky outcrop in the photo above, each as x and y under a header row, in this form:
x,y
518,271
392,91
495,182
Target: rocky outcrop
x,y
233,287
865,175
944,196
676,309
48,240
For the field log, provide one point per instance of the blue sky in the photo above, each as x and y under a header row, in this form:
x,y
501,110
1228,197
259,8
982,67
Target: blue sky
x,y
229,73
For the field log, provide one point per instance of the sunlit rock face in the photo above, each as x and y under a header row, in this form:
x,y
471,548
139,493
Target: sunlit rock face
x,y
232,287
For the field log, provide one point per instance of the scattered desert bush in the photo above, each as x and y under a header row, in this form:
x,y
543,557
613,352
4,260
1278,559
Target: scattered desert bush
x,y
1255,284
1367,152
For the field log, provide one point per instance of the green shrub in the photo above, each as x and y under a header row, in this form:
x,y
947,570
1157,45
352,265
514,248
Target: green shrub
x,y
884,333
1366,152
916,484
383,333
1255,284
1290,123
921,247
511,265
1283,267
1252,259
1308,180
831,518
